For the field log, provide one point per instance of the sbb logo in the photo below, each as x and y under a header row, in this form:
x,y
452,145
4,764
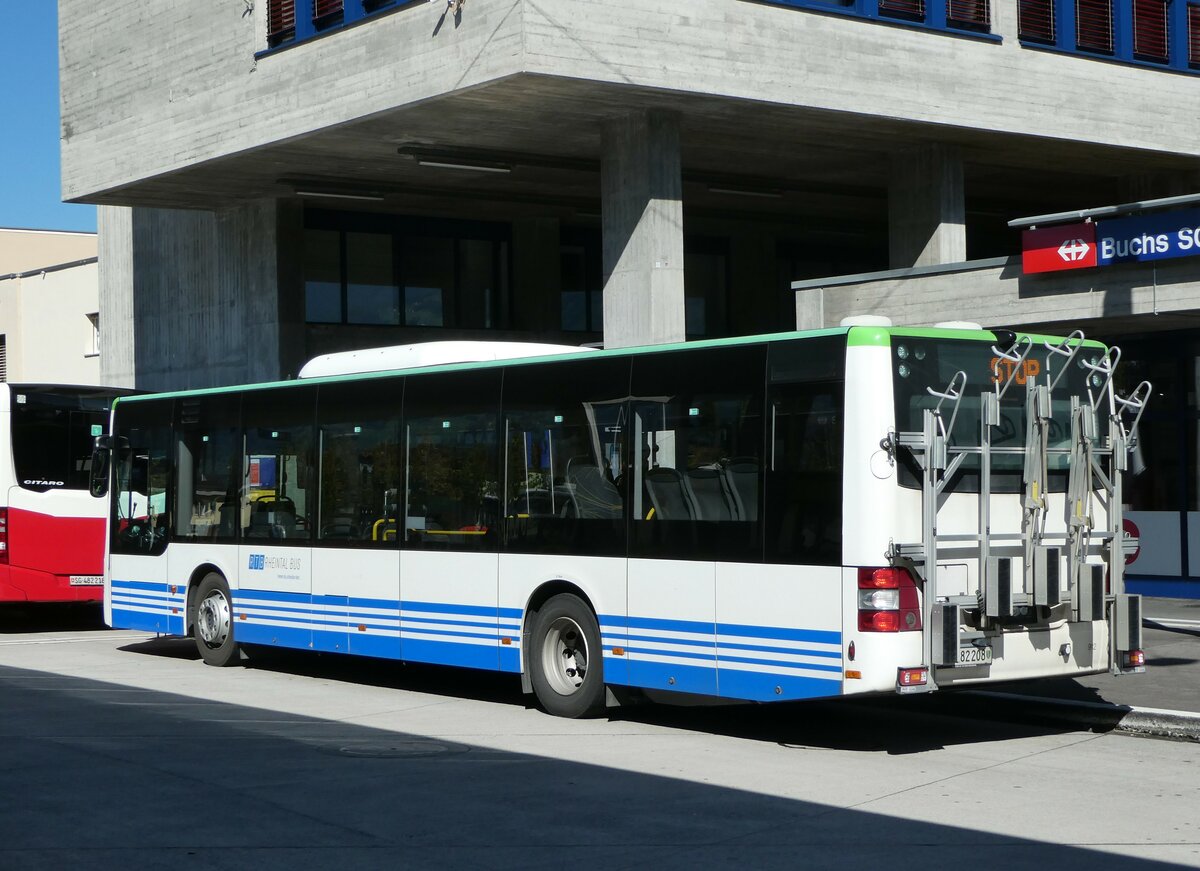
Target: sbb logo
x,y
257,562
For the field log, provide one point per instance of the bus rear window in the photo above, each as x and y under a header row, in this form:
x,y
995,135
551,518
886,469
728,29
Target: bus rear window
x,y
919,363
52,433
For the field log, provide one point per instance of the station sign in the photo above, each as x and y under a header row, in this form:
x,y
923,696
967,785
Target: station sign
x,y
1070,246
1103,243
1148,237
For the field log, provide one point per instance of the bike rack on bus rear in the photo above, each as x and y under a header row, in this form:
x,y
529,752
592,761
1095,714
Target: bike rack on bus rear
x,y
1094,458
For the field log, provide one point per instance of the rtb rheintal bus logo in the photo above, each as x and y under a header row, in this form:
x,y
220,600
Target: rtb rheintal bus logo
x,y
258,562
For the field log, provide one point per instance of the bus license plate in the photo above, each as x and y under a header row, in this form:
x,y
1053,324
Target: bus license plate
x,y
972,655
87,580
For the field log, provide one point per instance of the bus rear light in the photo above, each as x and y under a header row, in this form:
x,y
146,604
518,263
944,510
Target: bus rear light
x,y
887,600
912,677
1135,658
3,536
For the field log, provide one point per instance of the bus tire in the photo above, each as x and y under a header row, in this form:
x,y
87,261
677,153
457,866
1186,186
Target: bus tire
x,y
566,661
213,625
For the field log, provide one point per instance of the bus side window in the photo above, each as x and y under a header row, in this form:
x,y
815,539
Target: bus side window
x,y
278,480
566,428
208,455
359,446
697,444
452,486
803,483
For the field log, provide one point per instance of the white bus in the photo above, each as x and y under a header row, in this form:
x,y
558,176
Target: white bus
x,y
867,509
51,528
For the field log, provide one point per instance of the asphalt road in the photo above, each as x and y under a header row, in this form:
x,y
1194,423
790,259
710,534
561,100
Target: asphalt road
x,y
124,751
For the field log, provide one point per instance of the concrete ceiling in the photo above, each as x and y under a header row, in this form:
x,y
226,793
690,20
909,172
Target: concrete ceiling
x,y
792,165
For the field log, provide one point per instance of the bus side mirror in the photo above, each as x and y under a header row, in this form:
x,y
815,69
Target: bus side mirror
x,y
101,454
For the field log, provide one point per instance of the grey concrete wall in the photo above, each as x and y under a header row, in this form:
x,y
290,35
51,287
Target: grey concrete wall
x,y
190,299
152,87
1000,295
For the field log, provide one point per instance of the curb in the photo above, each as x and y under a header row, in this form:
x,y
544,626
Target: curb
x,y
1153,722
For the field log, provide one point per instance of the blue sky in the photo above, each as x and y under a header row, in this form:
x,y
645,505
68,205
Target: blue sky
x,y
30,185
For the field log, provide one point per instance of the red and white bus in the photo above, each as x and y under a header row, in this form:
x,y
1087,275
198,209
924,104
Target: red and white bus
x,y
51,527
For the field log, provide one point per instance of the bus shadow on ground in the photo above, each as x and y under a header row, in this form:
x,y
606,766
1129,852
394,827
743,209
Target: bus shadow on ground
x,y
30,618
168,780
859,725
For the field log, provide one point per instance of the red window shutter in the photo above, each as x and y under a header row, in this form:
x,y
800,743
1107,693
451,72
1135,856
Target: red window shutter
x,y
281,20
1093,25
976,13
1193,19
903,8
325,8
1150,29
1035,20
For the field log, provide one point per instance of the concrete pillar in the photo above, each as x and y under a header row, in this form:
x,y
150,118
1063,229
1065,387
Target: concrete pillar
x,y
114,261
926,207
642,219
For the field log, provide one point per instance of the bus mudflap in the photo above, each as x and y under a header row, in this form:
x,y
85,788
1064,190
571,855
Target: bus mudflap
x,y
1127,634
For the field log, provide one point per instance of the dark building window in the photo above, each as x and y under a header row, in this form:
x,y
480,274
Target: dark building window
x,y
1193,25
386,271
912,9
327,13
1094,25
1036,20
281,21
1150,29
969,13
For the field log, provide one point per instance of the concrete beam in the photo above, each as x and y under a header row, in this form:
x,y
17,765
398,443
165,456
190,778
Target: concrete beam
x,y
642,220
995,293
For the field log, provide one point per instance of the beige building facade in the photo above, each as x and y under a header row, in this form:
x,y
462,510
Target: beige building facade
x,y
49,307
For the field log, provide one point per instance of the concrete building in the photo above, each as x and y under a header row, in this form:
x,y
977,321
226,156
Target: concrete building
x,y
284,178
49,307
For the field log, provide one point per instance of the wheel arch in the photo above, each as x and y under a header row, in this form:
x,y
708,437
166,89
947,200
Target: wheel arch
x,y
193,585
541,594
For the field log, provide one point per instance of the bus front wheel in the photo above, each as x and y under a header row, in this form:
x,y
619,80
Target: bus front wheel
x,y
213,624
566,662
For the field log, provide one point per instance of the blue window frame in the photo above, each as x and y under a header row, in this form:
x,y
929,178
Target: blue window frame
x,y
1158,33
954,16
292,21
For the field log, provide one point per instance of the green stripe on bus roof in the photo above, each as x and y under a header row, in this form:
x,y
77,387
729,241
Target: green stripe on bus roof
x,y
856,336
515,361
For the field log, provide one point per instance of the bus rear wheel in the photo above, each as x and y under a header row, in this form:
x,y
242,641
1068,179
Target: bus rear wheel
x,y
213,623
566,662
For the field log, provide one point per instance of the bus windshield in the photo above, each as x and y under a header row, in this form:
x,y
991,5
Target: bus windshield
x,y
52,433
919,363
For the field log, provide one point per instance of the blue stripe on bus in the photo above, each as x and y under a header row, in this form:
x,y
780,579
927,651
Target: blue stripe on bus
x,y
282,636
123,619
797,651
483,635
778,664
434,621
451,653
141,585
672,676
613,622
510,658
446,608
757,686
814,636
638,652
273,595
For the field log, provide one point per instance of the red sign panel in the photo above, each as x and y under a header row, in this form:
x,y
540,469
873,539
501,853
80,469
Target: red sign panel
x,y
1068,247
